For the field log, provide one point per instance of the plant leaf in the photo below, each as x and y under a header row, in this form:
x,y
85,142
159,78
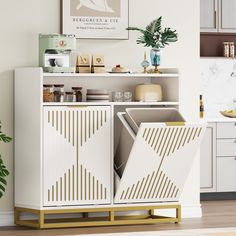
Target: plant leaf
x,y
5,138
154,26
136,29
3,181
2,188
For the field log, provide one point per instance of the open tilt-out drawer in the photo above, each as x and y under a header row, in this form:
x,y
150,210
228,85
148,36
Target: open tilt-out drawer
x,y
155,154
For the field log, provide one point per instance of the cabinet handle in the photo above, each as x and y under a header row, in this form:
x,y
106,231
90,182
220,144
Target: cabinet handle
x,y
215,18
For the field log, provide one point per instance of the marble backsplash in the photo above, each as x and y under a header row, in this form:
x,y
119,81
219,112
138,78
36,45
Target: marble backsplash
x,y
218,85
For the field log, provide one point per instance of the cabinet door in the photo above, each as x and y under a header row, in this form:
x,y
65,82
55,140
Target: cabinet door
x,y
208,160
226,130
227,16
226,174
209,15
77,155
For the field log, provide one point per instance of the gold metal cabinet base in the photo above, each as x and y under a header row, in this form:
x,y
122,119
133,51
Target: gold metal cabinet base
x,y
84,220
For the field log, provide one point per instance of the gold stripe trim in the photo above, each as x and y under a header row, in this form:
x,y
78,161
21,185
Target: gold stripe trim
x,y
154,137
151,136
160,185
173,141
160,144
135,190
157,183
150,192
145,130
131,191
144,186
140,188
166,138
149,184
180,123
158,139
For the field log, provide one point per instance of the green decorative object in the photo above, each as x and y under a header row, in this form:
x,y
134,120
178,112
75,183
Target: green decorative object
x,y
3,170
155,37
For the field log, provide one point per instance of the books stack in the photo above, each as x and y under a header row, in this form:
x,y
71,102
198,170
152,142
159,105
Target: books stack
x,y
97,95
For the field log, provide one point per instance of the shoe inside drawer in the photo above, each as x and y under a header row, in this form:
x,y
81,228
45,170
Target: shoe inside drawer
x,y
226,130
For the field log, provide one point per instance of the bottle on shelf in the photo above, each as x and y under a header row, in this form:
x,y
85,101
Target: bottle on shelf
x,y
201,107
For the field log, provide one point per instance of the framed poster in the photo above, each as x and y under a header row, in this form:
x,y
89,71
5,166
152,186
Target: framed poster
x,y
96,19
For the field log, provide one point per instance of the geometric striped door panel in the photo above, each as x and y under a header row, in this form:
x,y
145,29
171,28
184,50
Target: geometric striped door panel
x,y
159,163
77,156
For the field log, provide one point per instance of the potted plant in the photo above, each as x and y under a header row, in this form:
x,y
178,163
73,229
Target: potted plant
x,y
156,37
3,170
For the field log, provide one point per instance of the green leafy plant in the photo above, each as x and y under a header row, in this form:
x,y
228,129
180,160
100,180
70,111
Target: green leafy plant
x,y
154,36
3,170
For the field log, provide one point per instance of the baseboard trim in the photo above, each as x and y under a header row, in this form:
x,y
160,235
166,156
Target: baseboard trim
x,y
7,218
188,211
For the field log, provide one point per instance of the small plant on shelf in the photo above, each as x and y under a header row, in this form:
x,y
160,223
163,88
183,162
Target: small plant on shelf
x,y
3,170
155,37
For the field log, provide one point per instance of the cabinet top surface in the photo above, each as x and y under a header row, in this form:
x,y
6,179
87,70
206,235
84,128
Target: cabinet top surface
x,y
124,75
219,119
164,103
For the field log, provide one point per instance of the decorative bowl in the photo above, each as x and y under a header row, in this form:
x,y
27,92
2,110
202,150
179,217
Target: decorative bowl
x,y
229,113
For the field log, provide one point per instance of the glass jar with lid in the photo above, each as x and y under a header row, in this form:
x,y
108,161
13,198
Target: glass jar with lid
x,y
59,96
59,87
78,93
48,95
70,97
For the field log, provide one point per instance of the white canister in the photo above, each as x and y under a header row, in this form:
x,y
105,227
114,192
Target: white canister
x,y
148,93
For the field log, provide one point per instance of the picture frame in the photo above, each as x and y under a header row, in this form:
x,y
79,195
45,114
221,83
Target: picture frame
x,y
96,19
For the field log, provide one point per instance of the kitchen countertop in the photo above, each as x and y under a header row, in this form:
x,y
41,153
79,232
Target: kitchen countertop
x,y
218,118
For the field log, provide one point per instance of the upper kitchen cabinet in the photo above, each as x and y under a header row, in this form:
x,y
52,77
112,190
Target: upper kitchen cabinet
x,y
209,15
227,16
218,16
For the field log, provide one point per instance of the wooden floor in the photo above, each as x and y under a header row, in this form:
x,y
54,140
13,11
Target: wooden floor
x,y
216,214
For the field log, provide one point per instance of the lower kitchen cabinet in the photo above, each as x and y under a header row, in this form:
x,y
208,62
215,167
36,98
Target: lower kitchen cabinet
x,y
226,174
226,147
218,158
208,160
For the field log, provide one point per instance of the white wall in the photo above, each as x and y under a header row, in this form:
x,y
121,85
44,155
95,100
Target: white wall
x,y
21,21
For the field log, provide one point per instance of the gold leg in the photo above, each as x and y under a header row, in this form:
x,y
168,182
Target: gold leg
x,y
41,219
178,214
95,221
16,215
85,215
111,216
152,212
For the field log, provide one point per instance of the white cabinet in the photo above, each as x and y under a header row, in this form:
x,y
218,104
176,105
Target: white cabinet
x,y
226,147
226,157
64,152
208,160
226,174
76,155
218,158
218,16
208,15
226,130
227,16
